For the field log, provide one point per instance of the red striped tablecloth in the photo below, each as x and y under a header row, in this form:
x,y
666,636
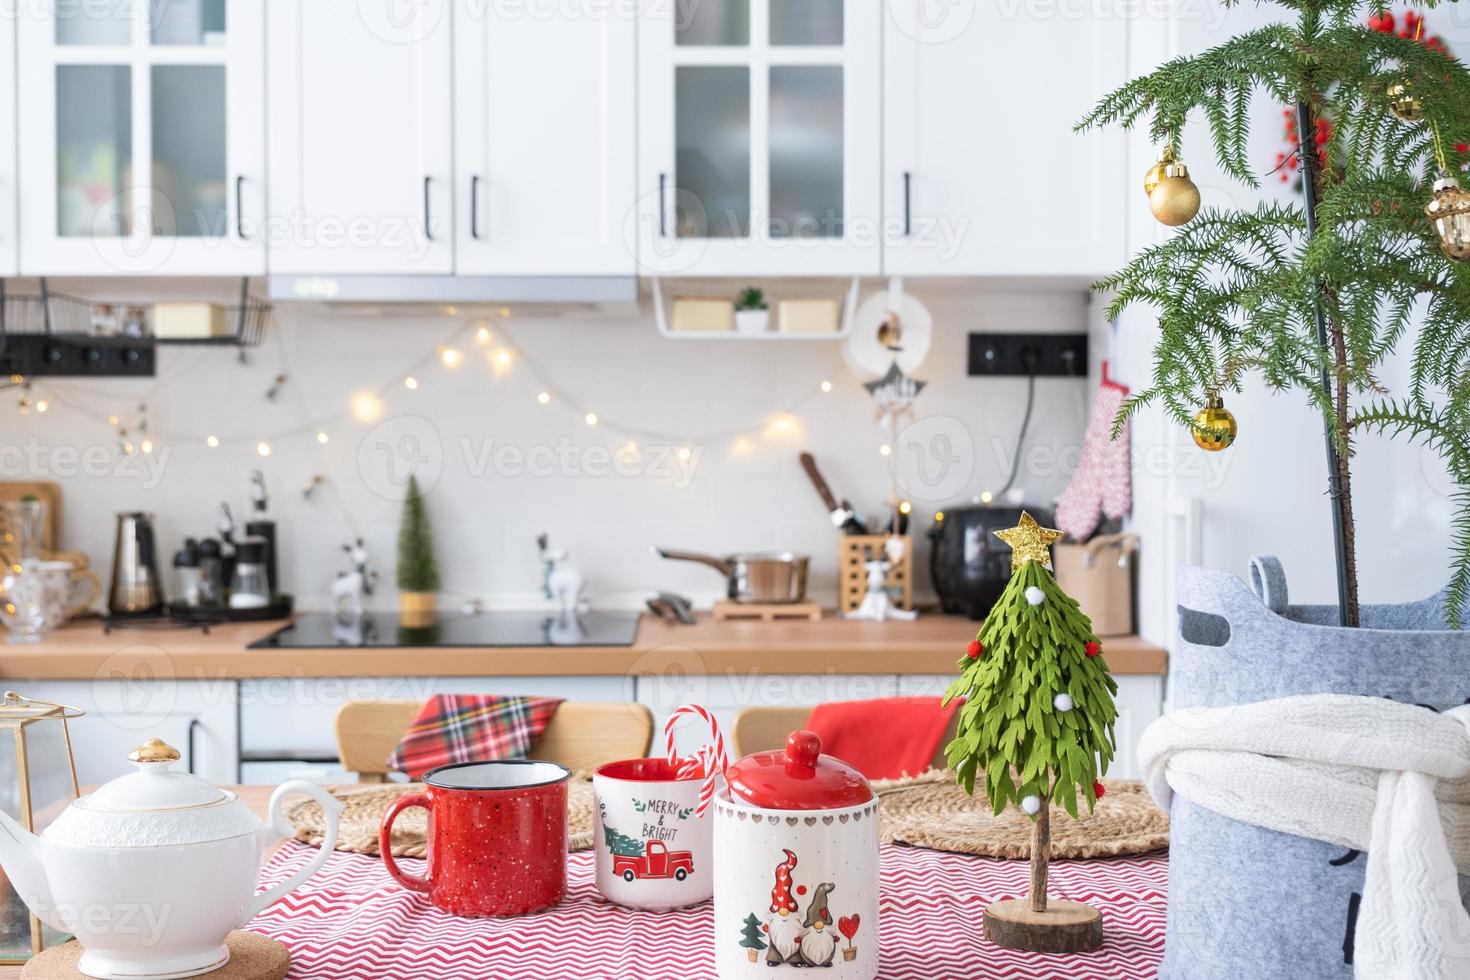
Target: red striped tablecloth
x,y
351,922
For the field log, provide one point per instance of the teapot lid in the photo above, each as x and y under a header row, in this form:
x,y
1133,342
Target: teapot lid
x,y
154,806
797,778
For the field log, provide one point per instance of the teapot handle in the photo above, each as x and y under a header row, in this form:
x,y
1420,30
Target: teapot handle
x,y
331,808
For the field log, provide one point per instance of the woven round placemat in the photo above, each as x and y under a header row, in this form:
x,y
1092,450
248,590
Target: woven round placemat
x,y
252,957
925,811
932,811
365,806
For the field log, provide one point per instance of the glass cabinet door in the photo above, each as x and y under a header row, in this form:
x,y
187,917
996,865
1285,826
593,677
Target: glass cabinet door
x,y
149,118
764,132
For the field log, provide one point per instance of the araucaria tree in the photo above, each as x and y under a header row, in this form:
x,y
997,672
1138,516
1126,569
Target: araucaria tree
x,y
1314,295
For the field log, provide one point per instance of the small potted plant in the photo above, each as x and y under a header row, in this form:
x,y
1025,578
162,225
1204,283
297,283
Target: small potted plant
x,y
751,313
418,571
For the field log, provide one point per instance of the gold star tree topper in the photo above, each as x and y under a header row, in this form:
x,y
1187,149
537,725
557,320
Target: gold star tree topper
x,y
1029,541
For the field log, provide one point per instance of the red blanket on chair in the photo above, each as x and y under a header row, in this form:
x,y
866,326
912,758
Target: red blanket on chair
x,y
471,728
884,738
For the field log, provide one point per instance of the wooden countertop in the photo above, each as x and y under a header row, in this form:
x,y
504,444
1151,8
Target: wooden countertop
x,y
928,645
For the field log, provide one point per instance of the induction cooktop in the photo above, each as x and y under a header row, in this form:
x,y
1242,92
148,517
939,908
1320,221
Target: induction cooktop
x,y
497,629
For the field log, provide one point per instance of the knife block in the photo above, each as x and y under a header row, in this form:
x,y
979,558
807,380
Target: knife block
x,y
853,551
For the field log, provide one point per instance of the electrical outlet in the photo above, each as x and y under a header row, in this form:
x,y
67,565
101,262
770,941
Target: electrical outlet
x,y
1046,355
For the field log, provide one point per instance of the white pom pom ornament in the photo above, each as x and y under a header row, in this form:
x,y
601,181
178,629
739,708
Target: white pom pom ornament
x,y
1035,596
1062,702
1032,805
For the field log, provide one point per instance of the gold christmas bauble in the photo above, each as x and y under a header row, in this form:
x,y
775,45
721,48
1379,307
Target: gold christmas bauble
x,y
1214,416
1174,200
1449,212
1402,101
1156,172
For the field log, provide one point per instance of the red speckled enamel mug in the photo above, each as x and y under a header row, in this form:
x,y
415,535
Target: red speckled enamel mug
x,y
497,837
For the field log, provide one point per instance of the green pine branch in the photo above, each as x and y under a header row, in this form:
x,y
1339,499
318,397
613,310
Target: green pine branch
x,y
1235,291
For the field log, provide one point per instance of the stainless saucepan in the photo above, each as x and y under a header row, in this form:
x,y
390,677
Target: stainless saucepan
x,y
755,577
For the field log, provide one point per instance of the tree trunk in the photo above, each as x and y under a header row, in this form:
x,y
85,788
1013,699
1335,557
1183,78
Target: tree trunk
x,y
1040,855
1334,386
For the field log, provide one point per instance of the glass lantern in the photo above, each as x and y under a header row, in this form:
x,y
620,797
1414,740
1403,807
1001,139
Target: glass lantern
x,y
38,778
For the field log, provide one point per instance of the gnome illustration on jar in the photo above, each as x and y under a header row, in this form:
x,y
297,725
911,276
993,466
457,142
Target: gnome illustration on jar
x,y
777,805
784,928
819,941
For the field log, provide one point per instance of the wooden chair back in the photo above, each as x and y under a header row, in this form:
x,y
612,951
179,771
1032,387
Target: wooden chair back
x,y
582,734
762,729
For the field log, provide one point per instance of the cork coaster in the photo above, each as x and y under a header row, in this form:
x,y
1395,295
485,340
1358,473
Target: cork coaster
x,y
932,811
252,957
364,808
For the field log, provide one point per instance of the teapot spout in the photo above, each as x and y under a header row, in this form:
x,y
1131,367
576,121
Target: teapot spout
x,y
20,856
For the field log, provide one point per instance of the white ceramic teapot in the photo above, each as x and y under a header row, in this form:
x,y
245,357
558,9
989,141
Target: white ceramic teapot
x,y
153,870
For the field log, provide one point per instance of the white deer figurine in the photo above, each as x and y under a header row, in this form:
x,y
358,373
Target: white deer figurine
x,y
350,588
560,582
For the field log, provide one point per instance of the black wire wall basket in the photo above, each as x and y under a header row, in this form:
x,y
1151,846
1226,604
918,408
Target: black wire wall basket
x,y
50,333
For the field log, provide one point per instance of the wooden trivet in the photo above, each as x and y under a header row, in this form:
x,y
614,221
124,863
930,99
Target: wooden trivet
x,y
252,957
767,612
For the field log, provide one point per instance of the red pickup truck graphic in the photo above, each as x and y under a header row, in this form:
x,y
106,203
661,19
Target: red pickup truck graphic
x,y
656,861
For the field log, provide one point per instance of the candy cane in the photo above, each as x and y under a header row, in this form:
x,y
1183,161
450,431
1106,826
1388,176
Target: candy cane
x,y
709,760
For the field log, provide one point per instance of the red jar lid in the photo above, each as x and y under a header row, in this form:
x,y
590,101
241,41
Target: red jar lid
x,y
799,778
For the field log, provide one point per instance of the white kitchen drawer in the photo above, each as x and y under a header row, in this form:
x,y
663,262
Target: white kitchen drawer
x,y
296,714
195,717
1140,701
726,694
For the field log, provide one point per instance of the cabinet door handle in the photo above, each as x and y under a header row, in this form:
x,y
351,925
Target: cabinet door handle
x,y
194,725
663,229
240,207
908,200
428,228
475,206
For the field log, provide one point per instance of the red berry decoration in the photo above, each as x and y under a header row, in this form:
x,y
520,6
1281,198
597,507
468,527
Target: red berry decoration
x,y
974,650
1093,648
1462,147
1381,22
1098,790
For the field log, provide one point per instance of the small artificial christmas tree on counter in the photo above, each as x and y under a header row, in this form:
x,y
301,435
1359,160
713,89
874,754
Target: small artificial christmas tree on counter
x,y
418,571
1036,727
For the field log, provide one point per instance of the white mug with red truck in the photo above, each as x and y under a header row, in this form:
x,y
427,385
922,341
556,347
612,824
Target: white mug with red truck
x,y
653,843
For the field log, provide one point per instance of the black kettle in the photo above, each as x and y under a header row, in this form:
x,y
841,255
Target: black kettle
x,y
969,565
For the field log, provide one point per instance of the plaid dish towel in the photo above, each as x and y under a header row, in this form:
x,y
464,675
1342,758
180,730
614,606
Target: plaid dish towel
x,y
471,728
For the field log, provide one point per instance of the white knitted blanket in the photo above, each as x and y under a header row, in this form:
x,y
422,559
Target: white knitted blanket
x,y
1367,773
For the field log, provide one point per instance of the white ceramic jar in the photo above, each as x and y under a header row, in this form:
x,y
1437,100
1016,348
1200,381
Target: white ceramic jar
x,y
153,870
796,866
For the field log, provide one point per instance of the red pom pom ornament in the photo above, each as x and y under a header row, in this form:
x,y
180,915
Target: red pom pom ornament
x,y
974,650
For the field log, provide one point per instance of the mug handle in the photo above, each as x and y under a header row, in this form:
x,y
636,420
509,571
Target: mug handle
x,y
84,575
331,808
385,841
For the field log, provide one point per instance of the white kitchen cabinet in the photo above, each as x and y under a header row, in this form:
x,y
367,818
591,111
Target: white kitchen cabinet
x,y
361,160
1140,701
9,200
140,137
545,138
197,717
760,137
982,173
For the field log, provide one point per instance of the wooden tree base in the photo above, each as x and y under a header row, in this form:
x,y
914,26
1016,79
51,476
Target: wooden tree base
x,y
1065,927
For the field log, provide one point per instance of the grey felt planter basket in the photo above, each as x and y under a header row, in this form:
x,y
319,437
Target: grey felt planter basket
x,y
1250,903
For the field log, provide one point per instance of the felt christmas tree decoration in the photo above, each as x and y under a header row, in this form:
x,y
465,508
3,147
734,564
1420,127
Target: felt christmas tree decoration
x,y
418,570
1036,729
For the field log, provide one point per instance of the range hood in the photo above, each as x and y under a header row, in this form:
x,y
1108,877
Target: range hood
x,y
453,289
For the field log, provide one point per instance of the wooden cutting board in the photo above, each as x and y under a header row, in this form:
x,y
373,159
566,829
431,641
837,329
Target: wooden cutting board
x,y
45,491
